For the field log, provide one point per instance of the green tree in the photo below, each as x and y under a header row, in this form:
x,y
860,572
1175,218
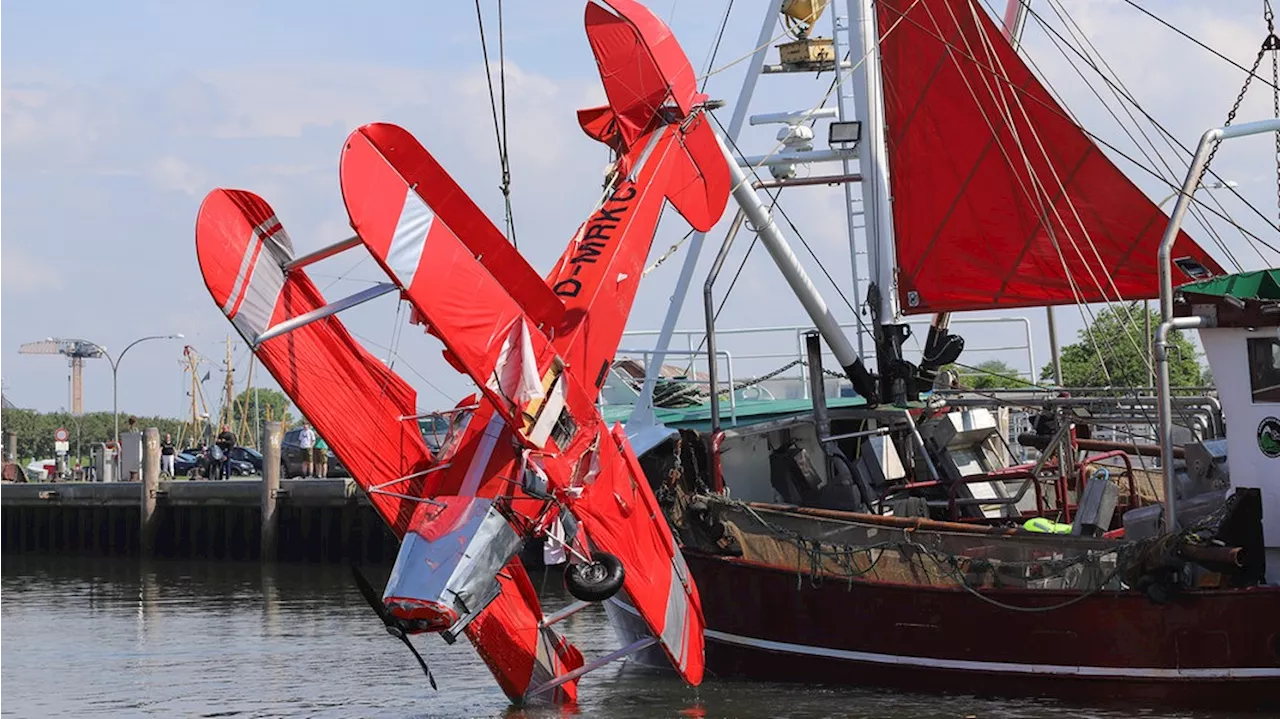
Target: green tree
x,y
272,404
35,429
991,374
1112,352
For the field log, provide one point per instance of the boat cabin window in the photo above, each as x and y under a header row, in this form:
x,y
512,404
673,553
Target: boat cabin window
x,y
1264,368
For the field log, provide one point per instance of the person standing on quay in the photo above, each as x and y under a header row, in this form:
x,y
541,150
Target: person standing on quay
x,y
306,442
167,454
226,440
321,453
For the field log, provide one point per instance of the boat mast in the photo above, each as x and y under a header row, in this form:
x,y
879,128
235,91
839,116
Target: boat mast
x,y
868,93
840,23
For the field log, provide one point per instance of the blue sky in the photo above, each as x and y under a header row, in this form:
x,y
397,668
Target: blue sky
x,y
116,125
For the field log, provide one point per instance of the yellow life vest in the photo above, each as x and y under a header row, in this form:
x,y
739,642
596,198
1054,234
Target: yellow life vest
x,y
1046,526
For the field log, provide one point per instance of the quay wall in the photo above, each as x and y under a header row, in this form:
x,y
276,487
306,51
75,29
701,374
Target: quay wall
x,y
315,520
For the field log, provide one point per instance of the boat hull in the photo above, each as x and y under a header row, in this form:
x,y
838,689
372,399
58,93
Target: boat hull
x,y
1215,648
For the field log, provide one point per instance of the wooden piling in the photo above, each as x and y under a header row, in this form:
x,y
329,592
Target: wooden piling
x,y
272,434
11,446
150,489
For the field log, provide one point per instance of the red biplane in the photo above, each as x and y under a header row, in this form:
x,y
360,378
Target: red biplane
x,y
529,454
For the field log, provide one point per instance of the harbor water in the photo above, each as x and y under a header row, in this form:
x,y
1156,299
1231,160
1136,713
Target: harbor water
x,y
119,637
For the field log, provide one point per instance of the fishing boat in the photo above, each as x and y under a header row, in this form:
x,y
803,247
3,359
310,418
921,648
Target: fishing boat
x,y
893,542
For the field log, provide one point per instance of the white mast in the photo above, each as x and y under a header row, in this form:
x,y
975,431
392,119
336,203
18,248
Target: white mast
x,y
868,93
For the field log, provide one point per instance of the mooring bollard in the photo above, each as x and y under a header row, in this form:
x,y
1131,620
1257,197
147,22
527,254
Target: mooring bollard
x,y
271,436
150,487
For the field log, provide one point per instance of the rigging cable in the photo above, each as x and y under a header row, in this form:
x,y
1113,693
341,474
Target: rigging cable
x,y
1079,36
1039,192
1099,140
1164,22
1269,44
499,127
1173,141
1130,327
773,197
420,376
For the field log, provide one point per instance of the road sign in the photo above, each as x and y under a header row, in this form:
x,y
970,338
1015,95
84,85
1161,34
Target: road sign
x,y
61,446
61,434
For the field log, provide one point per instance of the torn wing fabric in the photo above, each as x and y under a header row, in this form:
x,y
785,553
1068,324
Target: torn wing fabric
x,y
515,374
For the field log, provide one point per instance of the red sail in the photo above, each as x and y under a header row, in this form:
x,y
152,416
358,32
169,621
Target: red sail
x,y
999,198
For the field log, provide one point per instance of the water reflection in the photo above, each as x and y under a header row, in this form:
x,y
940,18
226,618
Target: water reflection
x,y
123,638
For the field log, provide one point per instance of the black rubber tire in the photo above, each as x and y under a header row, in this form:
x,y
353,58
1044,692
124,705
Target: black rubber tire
x,y
596,580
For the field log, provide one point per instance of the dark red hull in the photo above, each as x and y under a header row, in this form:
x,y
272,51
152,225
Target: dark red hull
x,y
1216,648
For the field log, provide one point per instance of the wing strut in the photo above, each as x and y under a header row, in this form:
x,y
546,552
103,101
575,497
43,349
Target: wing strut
x,y
633,647
320,313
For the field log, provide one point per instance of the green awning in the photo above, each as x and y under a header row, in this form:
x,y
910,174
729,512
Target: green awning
x,y
1260,285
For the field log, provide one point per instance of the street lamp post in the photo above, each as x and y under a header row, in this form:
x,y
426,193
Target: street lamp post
x,y
115,375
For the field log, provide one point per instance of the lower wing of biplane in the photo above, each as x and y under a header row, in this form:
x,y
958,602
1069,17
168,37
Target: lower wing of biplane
x,y
368,415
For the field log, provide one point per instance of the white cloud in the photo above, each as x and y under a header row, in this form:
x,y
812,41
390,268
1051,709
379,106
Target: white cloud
x,y
173,173
24,275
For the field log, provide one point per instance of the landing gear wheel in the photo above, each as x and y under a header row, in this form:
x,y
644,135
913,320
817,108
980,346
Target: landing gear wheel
x,y
597,580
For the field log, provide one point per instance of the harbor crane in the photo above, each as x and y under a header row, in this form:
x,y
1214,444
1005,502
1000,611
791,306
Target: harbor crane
x,y
76,351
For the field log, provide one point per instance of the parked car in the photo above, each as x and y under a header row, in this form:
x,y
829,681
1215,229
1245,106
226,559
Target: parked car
x,y
291,458
184,463
190,464
250,455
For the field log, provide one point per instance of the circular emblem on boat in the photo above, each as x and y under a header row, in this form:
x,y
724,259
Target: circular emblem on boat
x,y
1269,436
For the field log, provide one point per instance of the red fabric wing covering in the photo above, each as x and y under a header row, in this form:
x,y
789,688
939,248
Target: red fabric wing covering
x,y
622,517
395,147
355,403
350,397
463,304
521,653
999,198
